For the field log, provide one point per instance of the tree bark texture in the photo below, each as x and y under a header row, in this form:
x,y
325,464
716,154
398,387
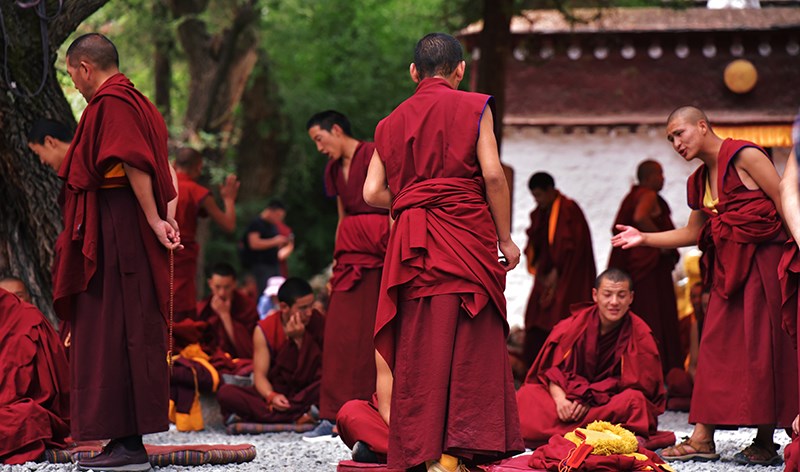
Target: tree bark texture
x,y
30,219
262,146
219,67
495,44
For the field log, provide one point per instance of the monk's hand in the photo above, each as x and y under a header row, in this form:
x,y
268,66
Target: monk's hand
x,y
167,235
511,253
280,402
627,238
796,425
294,328
579,411
229,188
565,409
221,305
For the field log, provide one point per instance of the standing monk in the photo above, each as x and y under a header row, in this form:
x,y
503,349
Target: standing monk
x,y
651,268
195,201
441,324
735,222
560,255
111,266
362,233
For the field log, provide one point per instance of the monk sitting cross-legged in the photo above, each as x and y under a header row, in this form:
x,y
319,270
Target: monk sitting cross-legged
x,y
599,364
287,362
34,387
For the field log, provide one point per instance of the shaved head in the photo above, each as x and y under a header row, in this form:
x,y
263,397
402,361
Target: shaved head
x,y
187,158
646,169
95,49
689,114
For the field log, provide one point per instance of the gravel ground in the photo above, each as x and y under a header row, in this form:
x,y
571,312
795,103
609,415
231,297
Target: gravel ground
x,y
288,452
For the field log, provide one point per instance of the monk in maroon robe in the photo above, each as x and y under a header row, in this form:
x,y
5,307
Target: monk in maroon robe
x,y
560,256
111,268
735,222
194,202
651,268
287,362
362,233
230,316
34,388
601,363
789,272
440,324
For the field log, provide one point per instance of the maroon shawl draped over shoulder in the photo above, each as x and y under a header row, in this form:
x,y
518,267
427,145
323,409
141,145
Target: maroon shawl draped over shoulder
x,y
641,261
729,239
571,254
109,134
364,231
460,259
34,387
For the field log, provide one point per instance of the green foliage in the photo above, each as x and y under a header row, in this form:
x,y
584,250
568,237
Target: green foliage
x,y
349,55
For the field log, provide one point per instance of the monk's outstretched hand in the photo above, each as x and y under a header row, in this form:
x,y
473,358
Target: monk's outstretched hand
x,y
511,252
627,238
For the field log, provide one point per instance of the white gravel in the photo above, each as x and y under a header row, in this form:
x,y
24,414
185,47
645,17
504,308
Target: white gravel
x,y
288,452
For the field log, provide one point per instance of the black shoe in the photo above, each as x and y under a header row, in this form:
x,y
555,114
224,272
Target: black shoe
x,y
116,457
362,453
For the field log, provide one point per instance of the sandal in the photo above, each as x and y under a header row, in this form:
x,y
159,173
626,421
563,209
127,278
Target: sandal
x,y
690,450
757,454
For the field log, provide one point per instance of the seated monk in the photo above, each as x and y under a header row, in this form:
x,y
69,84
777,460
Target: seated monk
x,y
231,318
287,362
364,425
34,384
599,364
216,346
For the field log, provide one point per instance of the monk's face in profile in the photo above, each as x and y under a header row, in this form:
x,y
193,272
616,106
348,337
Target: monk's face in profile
x,y
302,308
222,286
544,198
330,143
80,74
49,153
613,300
686,136
17,288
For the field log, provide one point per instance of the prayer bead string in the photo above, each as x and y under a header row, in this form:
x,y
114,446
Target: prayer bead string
x,y
171,304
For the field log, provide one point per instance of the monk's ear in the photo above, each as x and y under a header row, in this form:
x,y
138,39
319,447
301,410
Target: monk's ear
x,y
460,70
412,69
49,141
284,306
703,126
594,295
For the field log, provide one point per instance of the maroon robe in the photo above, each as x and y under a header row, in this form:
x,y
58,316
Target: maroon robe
x,y
651,271
743,348
360,420
617,375
294,372
572,256
244,318
440,323
349,359
110,272
190,208
34,388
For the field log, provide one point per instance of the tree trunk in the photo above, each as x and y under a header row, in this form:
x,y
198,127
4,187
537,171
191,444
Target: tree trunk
x,y
30,219
164,44
262,147
219,67
495,45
